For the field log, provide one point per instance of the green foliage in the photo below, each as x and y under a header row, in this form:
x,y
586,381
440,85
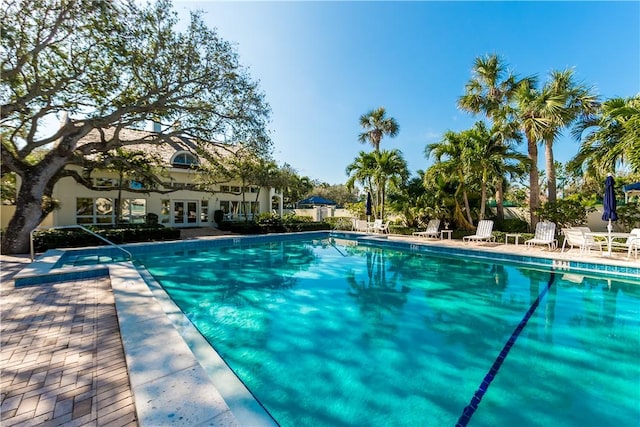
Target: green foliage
x,y
71,238
629,215
292,218
272,223
218,216
112,66
338,222
268,219
339,193
152,218
306,226
511,225
565,212
8,191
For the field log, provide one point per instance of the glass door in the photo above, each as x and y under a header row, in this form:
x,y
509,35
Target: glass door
x,y
185,212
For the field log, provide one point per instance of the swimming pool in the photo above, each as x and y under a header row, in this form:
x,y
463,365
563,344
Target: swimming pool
x,y
327,332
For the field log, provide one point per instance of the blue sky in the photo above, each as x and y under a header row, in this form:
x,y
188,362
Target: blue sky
x,y
323,64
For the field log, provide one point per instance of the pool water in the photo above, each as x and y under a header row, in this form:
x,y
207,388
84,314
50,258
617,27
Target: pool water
x,y
326,333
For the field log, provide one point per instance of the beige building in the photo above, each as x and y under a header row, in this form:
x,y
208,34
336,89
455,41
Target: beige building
x,y
184,206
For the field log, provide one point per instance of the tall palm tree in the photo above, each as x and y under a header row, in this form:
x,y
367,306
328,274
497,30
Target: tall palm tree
x,y
611,137
578,100
376,125
451,155
490,91
535,110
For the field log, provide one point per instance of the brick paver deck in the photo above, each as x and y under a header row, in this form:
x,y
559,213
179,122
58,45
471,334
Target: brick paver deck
x,y
62,358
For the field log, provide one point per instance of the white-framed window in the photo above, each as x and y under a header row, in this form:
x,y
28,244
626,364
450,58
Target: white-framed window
x,y
204,211
224,188
97,210
184,159
235,189
134,211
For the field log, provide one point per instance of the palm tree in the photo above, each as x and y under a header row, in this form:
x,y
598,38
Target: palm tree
x,y
376,125
577,100
491,158
611,137
361,170
390,168
535,110
451,155
490,91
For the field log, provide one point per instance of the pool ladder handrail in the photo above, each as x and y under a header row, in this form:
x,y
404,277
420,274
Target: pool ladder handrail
x,y
73,226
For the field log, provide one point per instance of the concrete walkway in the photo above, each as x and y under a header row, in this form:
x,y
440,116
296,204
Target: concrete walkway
x,y
61,354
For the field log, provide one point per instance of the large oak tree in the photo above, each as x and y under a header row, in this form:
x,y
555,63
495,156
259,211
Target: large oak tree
x,y
110,66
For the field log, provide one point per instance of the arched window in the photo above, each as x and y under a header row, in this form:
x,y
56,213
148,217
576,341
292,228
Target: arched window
x,y
184,159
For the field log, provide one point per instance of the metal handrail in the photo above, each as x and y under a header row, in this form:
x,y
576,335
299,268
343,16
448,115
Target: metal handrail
x,y
73,226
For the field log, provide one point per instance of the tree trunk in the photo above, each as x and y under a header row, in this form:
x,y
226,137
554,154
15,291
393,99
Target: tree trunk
x,y
551,170
29,212
500,200
467,207
534,185
483,195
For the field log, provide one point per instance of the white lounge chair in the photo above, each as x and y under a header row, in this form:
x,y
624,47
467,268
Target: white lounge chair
x,y
431,231
545,235
360,225
380,227
483,232
632,244
575,236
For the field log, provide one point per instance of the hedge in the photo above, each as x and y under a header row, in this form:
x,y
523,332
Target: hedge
x,y
74,237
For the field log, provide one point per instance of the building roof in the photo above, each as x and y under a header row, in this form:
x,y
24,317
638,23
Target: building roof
x,y
316,200
632,188
164,150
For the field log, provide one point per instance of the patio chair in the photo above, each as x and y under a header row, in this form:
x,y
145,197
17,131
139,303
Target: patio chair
x,y
545,235
575,236
360,225
483,232
431,231
631,244
380,227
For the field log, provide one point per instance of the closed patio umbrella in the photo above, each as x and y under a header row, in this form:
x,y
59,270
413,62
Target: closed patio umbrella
x,y
368,207
609,202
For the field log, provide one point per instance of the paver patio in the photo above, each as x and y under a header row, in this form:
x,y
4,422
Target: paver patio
x,y
61,356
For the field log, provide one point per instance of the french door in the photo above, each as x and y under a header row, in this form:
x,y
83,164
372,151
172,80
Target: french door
x,y
185,212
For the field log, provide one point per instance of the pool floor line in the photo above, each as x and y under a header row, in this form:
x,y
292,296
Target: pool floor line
x,y
471,408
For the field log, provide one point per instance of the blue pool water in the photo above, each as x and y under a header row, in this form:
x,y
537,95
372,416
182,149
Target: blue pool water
x,y
325,333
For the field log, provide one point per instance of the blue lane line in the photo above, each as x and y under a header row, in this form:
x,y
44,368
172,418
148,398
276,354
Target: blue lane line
x,y
470,409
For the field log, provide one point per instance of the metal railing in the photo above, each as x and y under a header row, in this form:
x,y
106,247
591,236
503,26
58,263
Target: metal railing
x,y
73,226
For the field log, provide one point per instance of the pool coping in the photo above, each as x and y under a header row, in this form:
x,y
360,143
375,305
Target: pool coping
x,y
188,383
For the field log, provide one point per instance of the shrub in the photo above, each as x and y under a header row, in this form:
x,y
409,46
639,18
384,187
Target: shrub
x,y
269,219
564,212
74,237
511,225
307,226
629,215
152,219
292,218
338,222
218,216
